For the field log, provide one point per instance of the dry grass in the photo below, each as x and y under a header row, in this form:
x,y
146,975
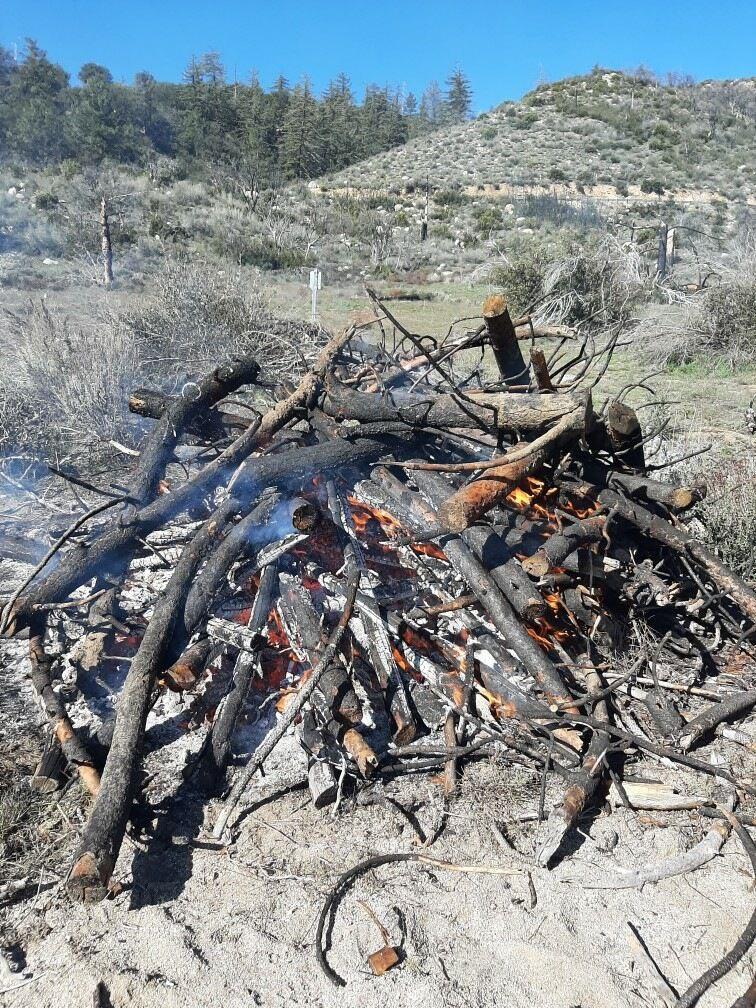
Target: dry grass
x,y
34,828
64,385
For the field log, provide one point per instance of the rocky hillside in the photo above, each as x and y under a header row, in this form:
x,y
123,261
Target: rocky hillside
x,y
606,134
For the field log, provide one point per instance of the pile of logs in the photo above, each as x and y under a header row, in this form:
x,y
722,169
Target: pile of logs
x,y
425,564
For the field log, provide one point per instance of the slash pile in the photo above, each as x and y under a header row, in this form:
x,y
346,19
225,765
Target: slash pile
x,y
399,549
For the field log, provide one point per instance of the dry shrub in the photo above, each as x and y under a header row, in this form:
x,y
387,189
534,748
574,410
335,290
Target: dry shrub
x,y
64,387
198,316
726,518
599,286
720,325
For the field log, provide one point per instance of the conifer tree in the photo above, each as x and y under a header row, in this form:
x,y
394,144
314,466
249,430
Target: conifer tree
x,y
458,101
36,107
300,144
101,123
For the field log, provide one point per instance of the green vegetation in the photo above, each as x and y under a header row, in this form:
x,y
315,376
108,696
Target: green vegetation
x,y
206,121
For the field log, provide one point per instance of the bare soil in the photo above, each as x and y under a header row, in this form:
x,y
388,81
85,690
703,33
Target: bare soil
x,y
197,925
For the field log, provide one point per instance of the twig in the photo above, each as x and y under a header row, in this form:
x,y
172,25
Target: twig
x,y
345,881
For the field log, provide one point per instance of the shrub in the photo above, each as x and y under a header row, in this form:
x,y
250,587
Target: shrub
x,y
488,218
727,514
64,387
599,287
521,281
450,197
652,186
45,201
720,325
557,175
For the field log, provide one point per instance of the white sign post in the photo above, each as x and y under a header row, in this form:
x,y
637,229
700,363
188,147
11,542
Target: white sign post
x,y
316,282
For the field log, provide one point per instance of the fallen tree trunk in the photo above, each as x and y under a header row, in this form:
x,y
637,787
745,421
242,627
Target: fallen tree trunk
x,y
102,836
498,411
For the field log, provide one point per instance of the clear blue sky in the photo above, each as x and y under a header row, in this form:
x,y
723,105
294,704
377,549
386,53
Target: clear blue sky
x,y
504,46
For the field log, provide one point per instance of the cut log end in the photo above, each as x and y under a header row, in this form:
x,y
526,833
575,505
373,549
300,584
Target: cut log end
x,y
360,751
536,565
88,881
494,306
383,960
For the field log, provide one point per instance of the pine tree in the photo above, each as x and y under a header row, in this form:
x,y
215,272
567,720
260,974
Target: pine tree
x,y
102,121
151,120
300,145
339,126
207,121
258,148
36,104
458,101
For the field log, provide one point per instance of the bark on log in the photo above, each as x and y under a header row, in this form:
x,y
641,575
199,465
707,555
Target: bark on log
x,y
49,773
185,672
215,423
714,715
559,546
477,498
682,542
492,552
103,834
582,785
55,709
596,477
678,498
218,749
503,339
489,411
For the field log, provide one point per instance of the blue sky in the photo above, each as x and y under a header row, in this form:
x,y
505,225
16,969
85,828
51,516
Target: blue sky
x,y
504,46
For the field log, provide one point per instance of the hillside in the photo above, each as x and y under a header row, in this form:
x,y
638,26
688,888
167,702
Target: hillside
x,y
574,161
606,129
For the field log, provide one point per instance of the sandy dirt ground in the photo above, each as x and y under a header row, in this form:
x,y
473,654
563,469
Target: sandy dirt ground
x,y
201,926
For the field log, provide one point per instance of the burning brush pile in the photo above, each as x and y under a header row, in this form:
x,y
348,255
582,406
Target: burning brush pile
x,y
421,568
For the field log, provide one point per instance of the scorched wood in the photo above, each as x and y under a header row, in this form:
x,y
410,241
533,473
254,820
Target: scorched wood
x,y
487,591
683,543
479,497
103,834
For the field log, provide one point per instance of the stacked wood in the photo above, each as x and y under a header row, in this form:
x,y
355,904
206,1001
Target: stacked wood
x,y
396,547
